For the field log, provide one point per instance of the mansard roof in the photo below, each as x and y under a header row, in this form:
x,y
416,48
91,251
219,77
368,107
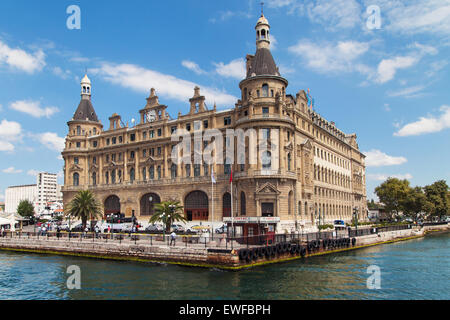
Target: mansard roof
x,y
263,64
85,111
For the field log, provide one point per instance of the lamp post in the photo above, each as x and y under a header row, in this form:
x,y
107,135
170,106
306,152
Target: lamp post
x,y
355,218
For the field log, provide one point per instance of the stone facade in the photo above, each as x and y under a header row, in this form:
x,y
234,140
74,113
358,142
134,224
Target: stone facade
x,y
320,172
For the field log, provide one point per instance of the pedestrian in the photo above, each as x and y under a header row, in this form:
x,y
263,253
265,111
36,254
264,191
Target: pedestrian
x,y
97,231
109,229
3,231
173,237
86,230
58,232
44,229
39,230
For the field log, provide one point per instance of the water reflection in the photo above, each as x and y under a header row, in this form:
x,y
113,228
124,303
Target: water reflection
x,y
414,269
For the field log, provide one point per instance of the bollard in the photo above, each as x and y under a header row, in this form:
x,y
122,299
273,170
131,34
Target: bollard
x,y
151,240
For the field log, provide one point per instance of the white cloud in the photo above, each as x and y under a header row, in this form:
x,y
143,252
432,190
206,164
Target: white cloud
x,y
273,42
52,141
1,108
334,14
376,158
193,67
234,69
384,177
11,170
63,74
410,92
435,67
10,132
141,80
226,15
426,125
33,108
415,16
329,57
32,172
22,60
388,67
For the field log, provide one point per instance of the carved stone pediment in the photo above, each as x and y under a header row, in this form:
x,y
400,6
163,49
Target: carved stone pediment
x,y
111,165
307,144
289,146
76,167
267,188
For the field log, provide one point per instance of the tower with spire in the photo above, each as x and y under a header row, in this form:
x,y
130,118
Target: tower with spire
x,y
83,126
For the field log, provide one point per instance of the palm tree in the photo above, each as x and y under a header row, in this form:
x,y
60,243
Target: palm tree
x,y
84,206
167,213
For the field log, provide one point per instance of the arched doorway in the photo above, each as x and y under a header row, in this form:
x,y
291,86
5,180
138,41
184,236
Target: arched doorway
x,y
196,206
112,205
147,203
226,205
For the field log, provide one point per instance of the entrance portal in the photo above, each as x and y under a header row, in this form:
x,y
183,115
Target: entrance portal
x,y
196,206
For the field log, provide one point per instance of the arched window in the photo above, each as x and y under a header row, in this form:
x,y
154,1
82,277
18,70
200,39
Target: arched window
x,y
265,90
76,179
113,176
147,203
144,174
151,172
112,205
226,205
94,179
173,171
132,175
289,161
290,202
78,130
243,204
107,177
263,34
266,160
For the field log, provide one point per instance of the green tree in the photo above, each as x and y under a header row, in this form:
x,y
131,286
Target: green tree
x,y
167,213
416,203
25,209
84,206
437,194
392,193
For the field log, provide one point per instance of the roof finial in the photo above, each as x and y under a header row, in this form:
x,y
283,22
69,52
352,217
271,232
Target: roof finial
x,y
262,8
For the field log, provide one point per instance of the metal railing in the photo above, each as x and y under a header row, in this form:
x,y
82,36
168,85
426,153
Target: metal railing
x,y
199,241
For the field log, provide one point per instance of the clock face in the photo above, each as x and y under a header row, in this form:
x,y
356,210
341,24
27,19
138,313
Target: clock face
x,y
151,116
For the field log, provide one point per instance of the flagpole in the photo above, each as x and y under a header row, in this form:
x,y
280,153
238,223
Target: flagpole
x,y
232,219
212,199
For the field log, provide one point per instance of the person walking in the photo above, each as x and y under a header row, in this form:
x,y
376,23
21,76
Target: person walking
x,y
97,231
3,231
58,232
173,237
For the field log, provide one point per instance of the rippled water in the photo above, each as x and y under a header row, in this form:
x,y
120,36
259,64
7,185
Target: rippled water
x,y
415,269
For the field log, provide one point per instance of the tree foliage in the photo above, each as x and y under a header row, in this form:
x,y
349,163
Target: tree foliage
x,y
25,208
429,201
438,195
167,213
84,206
393,193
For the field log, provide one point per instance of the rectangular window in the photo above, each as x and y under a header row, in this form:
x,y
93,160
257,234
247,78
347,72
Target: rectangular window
x,y
188,127
132,137
120,139
265,110
159,151
205,124
113,157
114,140
78,144
227,121
75,160
144,135
159,132
173,129
144,153
107,142
152,134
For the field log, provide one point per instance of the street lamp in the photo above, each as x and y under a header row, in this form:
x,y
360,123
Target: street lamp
x,y
355,218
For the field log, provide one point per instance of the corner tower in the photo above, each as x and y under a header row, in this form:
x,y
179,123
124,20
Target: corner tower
x,y
83,127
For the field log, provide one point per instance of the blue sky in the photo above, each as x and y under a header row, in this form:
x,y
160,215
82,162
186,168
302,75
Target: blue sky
x,y
388,85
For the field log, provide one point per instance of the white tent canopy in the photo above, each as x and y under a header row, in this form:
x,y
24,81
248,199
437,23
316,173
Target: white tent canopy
x,y
4,222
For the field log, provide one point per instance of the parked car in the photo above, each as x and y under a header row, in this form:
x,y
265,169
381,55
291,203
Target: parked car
x,y
178,228
193,229
222,229
154,228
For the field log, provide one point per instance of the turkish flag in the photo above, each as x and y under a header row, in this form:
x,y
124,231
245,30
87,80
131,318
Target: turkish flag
x,y
231,176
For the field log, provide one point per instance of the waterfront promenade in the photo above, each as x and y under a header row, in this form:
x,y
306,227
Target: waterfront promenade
x,y
231,254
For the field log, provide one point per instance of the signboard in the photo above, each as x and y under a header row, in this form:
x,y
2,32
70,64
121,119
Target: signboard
x,y
252,220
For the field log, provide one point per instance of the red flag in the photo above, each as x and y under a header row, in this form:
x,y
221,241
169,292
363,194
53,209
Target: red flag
x,y
231,176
